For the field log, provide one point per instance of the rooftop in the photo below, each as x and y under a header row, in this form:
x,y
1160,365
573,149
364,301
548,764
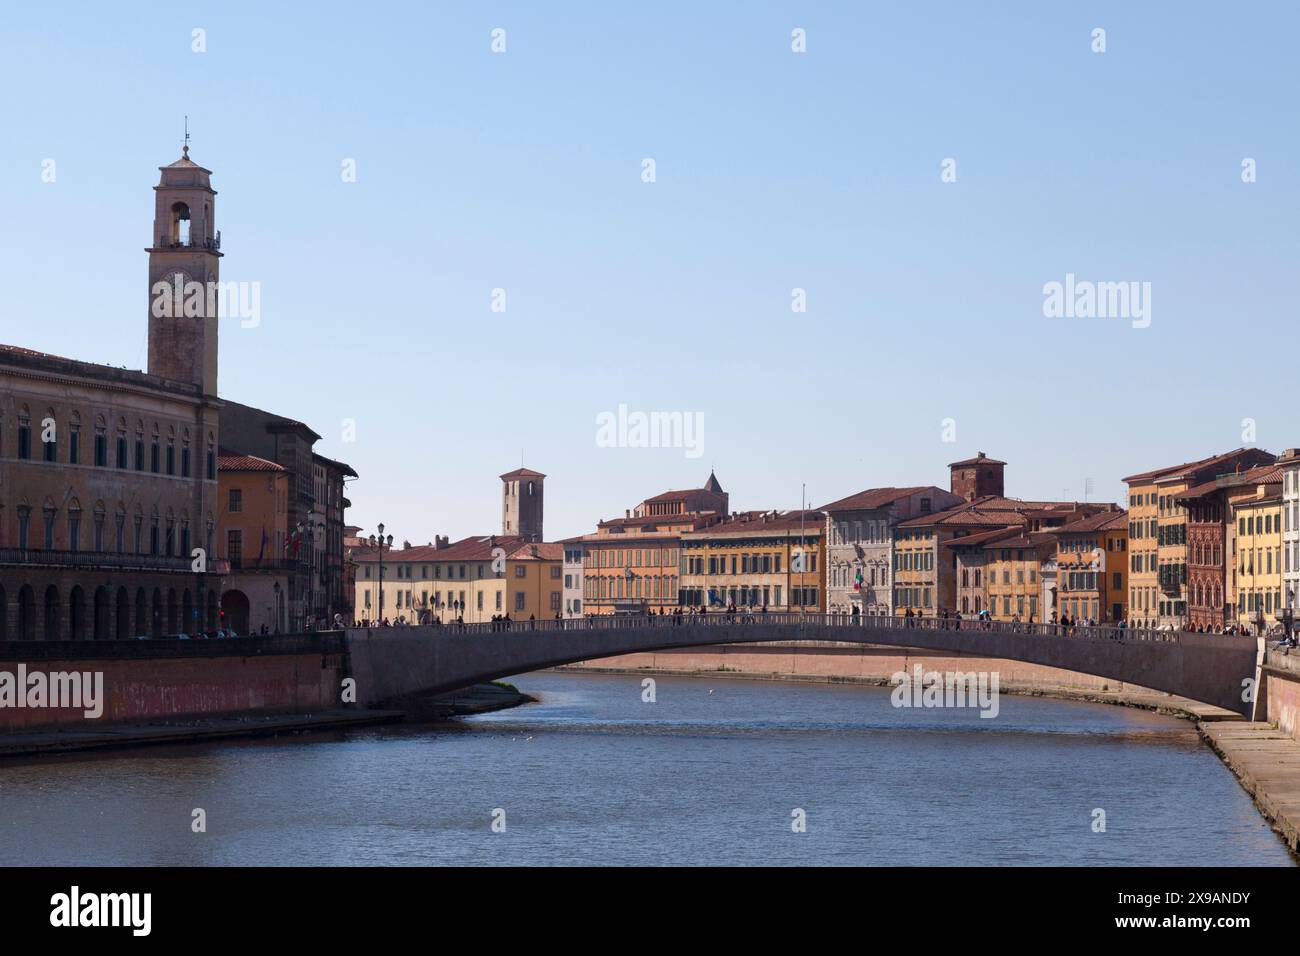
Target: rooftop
x,y
1190,467
979,459
232,461
874,498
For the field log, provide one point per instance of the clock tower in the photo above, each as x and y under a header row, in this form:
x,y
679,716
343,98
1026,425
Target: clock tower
x,y
184,269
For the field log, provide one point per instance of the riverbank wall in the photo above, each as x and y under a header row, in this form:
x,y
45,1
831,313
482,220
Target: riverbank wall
x,y
148,681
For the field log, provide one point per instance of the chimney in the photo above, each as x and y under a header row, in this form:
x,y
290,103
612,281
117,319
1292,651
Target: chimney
x,y
441,541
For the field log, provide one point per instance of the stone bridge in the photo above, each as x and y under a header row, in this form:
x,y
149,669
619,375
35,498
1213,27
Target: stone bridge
x,y
391,663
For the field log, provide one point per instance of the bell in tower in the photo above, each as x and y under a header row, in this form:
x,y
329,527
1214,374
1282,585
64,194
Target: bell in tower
x,y
184,272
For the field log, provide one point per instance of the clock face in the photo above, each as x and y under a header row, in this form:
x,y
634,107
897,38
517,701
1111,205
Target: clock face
x,y
176,278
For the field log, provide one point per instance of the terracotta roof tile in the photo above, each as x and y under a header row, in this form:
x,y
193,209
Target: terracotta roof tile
x,y
875,498
1172,471
760,523
980,538
230,461
1106,521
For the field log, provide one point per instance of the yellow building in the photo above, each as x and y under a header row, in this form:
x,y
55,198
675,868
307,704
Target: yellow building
x,y
1011,569
474,579
756,559
1258,555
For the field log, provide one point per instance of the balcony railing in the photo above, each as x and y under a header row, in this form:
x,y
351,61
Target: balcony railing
x,y
44,557
236,566
193,242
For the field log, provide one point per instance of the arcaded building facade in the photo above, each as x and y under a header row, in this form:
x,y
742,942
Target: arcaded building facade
x,y
108,477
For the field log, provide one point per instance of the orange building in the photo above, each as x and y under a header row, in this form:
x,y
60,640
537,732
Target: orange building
x,y
1092,568
631,565
252,533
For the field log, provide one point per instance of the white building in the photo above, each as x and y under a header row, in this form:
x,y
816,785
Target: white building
x,y
572,593
860,543
1290,462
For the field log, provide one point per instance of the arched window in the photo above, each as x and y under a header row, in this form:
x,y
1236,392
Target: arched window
x,y
49,511
180,235
24,433
49,437
24,512
99,526
101,442
74,439
123,449
74,525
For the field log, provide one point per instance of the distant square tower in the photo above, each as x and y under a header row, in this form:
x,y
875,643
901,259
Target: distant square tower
x,y
521,503
977,477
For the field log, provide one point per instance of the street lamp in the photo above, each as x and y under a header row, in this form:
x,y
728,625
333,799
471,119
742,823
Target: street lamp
x,y
380,543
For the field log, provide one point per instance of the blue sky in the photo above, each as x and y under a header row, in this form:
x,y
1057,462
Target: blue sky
x,y
774,170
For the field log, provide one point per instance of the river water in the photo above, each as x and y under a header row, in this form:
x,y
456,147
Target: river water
x,y
712,772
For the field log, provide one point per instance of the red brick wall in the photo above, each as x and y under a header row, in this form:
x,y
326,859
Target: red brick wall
x,y
178,688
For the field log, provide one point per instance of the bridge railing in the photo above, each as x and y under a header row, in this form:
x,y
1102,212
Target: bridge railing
x,y
785,619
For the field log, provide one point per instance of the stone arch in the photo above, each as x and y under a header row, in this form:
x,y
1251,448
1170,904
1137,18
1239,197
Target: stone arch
x,y
53,611
77,614
156,620
180,225
102,597
235,605
26,613
122,615
141,613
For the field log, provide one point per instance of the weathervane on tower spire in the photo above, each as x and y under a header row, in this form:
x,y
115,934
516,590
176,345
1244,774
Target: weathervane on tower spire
x,y
185,150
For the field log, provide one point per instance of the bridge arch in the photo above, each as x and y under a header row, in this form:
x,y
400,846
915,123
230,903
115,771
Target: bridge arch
x,y
391,663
